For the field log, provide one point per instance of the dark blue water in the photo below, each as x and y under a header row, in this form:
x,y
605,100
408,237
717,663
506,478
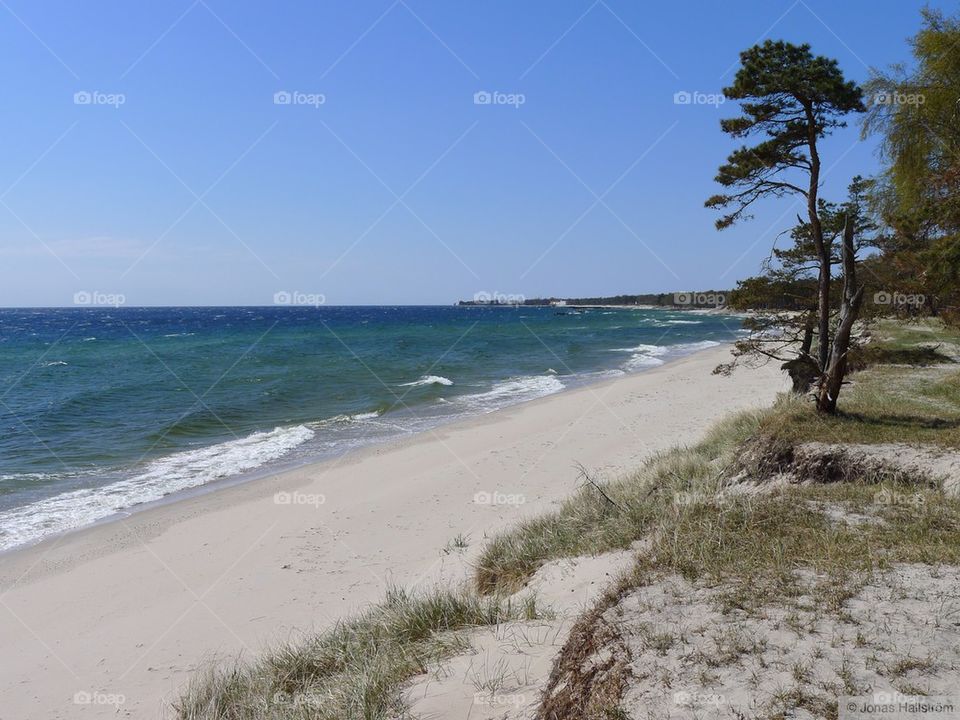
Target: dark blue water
x,y
102,409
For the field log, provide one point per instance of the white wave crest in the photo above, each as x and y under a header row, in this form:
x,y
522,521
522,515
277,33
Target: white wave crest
x,y
180,471
366,415
647,356
651,349
428,380
641,361
344,418
513,391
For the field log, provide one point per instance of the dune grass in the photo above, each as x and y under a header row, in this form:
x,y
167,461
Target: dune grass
x,y
807,543
592,522
927,331
905,388
884,403
678,505
355,670
753,545
923,342
881,354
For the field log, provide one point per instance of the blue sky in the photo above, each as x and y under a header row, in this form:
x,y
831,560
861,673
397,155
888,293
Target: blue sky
x,y
183,182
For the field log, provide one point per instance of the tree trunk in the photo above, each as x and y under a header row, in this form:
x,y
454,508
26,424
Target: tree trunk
x,y
836,369
803,370
807,336
823,252
823,308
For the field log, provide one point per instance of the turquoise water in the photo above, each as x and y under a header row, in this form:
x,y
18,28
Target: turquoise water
x,y
104,409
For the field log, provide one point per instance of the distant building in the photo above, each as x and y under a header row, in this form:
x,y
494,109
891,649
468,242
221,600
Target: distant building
x,y
558,303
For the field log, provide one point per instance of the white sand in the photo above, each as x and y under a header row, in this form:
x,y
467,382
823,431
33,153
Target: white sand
x,y
899,634
508,665
126,610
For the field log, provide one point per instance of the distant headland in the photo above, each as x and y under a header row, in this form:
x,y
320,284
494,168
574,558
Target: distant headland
x,y
679,300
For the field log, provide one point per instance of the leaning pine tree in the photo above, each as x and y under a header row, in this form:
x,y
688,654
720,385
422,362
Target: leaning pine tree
x,y
792,100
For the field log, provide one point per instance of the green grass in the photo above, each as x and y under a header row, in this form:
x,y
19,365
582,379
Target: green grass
x,y
924,342
355,670
885,403
882,354
807,547
905,388
590,522
754,545
897,334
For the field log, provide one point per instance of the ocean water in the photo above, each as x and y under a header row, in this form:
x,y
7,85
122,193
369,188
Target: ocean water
x,y
102,410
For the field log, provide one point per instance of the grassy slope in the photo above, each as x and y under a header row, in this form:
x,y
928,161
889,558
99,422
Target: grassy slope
x,y
590,522
664,498
355,670
907,393
808,548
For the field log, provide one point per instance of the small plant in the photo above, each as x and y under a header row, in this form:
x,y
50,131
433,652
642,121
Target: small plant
x,y
457,545
908,664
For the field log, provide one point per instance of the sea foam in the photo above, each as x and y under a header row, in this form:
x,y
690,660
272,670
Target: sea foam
x,y
648,356
428,380
512,391
180,471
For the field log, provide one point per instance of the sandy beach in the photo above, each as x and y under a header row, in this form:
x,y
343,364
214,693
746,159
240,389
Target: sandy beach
x,y
126,610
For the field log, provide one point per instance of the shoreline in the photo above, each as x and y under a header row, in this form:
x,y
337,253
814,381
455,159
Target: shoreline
x,y
292,464
130,607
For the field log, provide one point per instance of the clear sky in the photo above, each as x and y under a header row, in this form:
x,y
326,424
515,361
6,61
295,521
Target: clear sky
x,y
144,154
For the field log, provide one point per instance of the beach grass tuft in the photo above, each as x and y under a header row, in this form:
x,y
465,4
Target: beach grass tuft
x,y
596,520
357,669
754,545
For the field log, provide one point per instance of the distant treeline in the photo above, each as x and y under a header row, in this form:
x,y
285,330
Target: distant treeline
x,y
705,298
